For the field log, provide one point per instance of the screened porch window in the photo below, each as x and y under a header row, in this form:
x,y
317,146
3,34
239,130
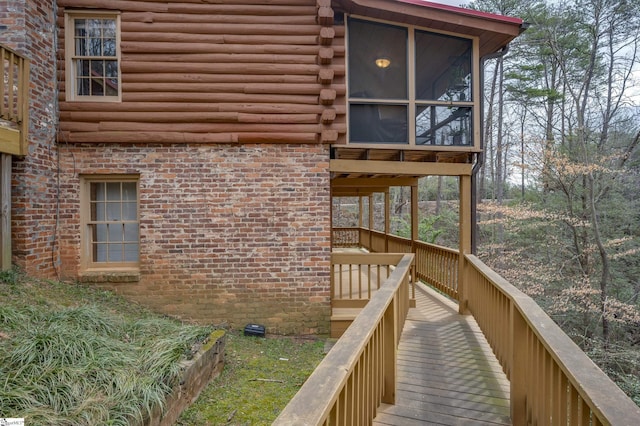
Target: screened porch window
x,y
400,75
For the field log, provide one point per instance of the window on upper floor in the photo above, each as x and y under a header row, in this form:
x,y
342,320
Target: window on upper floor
x,y
399,75
110,227
92,46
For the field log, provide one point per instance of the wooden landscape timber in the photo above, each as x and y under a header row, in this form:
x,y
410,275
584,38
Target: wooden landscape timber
x,y
217,72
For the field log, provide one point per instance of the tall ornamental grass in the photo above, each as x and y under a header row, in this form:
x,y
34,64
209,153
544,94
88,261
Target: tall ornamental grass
x,y
87,363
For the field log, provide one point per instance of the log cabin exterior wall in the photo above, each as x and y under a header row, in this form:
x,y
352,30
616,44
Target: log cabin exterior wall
x,y
242,71
228,112
226,115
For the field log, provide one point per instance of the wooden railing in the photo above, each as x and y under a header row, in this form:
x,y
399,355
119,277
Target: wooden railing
x,y
359,372
355,277
435,265
14,102
345,237
438,267
552,380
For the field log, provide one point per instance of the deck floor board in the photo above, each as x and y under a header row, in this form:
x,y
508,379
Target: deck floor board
x,y
447,374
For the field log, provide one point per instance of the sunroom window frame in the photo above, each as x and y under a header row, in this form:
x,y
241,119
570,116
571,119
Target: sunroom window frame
x,y
88,263
411,102
71,58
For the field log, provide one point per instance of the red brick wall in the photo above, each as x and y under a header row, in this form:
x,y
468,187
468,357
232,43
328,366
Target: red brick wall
x,y
30,30
229,233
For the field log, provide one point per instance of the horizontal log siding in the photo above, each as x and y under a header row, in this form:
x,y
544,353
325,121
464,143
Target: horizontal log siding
x,y
238,71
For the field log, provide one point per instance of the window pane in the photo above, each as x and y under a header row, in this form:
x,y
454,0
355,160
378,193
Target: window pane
x,y
113,191
438,125
98,211
97,68
114,212
116,232
109,28
378,123
443,67
115,253
80,27
95,28
131,232
83,86
111,68
82,68
94,47
109,47
131,252
81,46
97,86
100,234
97,191
100,253
129,190
372,41
129,211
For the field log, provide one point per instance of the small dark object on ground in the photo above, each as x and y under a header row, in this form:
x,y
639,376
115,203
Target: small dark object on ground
x,y
254,330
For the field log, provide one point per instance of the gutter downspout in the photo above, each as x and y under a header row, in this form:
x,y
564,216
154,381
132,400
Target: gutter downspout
x,y
480,157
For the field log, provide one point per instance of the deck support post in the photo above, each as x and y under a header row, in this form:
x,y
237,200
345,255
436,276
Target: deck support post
x,y
465,242
415,220
371,213
387,219
360,220
5,212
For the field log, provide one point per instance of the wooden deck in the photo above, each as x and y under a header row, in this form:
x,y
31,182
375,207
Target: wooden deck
x,y
447,374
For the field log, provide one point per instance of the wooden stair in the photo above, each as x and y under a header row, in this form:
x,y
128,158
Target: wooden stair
x,y
341,318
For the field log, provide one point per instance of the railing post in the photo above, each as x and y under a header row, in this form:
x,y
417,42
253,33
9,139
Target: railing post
x,y
390,352
464,278
518,366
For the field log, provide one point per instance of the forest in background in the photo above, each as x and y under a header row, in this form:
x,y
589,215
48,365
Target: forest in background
x,y
559,192
562,172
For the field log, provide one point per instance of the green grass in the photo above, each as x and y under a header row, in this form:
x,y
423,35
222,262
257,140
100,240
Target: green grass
x,y
70,355
259,378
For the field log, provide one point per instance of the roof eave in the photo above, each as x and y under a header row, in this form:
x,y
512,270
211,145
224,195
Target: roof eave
x,y
494,31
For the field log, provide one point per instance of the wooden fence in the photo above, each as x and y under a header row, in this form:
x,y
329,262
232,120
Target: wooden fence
x,y
359,373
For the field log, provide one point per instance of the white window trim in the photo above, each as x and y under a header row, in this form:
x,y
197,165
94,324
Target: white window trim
x,y
69,37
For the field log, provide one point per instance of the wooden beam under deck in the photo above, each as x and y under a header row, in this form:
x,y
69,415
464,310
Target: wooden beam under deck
x,y
398,168
376,182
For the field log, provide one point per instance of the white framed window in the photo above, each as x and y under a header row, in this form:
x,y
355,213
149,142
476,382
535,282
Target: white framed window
x,y
409,86
110,225
92,63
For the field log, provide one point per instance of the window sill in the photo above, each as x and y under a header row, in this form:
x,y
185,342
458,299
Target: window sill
x,y
96,277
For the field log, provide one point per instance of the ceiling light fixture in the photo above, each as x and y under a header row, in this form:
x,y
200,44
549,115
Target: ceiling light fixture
x,y
383,62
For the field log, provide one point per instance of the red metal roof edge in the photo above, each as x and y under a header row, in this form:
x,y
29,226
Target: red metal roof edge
x,y
462,10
